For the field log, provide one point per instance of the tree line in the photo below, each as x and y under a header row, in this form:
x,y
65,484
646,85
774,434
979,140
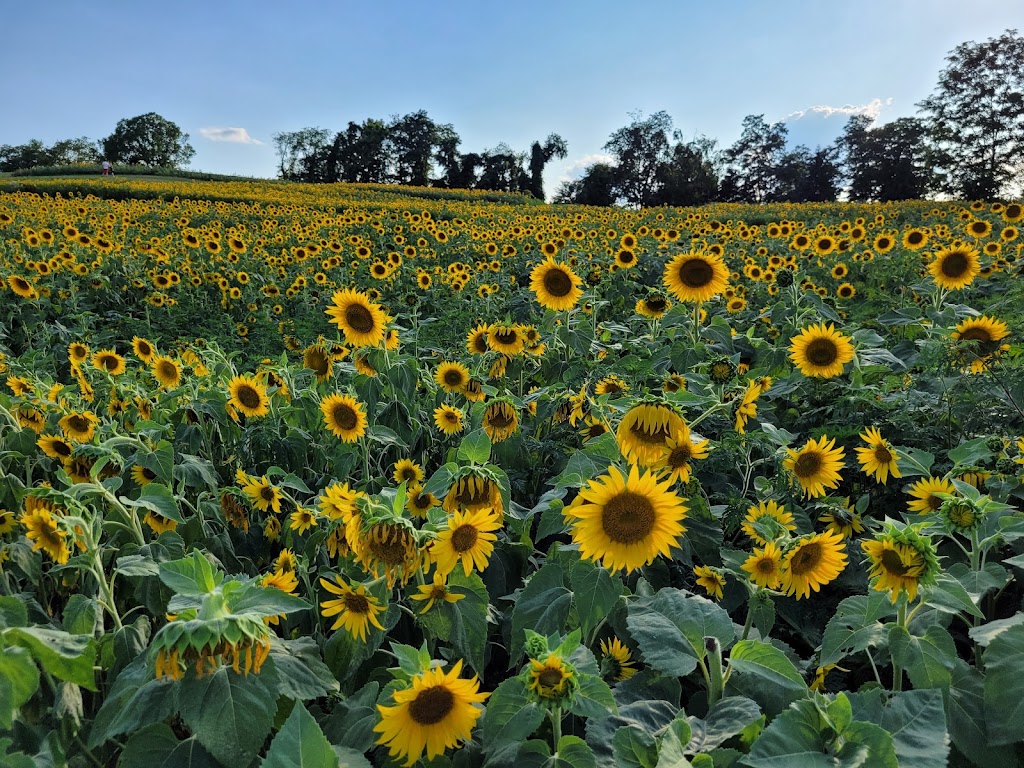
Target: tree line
x,y
968,142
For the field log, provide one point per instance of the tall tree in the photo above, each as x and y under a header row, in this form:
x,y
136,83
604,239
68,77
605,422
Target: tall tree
x,y
885,162
595,187
540,155
413,139
808,177
299,151
640,149
975,117
754,160
148,139
502,170
690,174
21,156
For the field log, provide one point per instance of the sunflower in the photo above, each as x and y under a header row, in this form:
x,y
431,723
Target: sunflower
x,y
645,431
361,320
955,267
556,286
55,446
302,519
408,471
844,520
344,416
474,391
654,306
317,359
79,427
500,421
263,494
696,276
674,465
816,465
711,579
507,340
846,291
388,548
436,590
158,523
914,239
768,521
625,259
22,287
765,566
552,678
980,336
418,504
626,521
820,351
812,562
143,476
879,458
451,376
248,395
166,371
611,385
19,386
923,492
108,360
473,493
894,567
143,349
469,537
356,609
448,419
476,340
746,408
435,712
43,531
30,418
618,661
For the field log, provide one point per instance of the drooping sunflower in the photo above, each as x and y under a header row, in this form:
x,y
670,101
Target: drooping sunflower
x,y
879,458
387,548
356,609
626,521
143,476
816,465
696,277
507,340
317,359
556,286
746,407
765,566
618,664
108,360
43,531
645,431
158,523
500,420
448,419
654,306
249,396
469,537
437,711
768,520
711,579
812,562
344,416
473,493
897,566
55,446
476,340
79,427
955,267
408,471
552,678
143,349
611,385
820,351
362,321
263,494
981,337
923,493
451,376
679,452
166,370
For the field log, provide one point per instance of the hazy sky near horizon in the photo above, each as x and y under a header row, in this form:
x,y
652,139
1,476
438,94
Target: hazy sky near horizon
x,y
233,73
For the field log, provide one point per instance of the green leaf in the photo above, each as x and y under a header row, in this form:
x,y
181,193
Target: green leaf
x,y
160,461
510,715
595,593
441,480
578,471
767,663
229,714
352,721
81,615
66,657
542,606
475,447
670,629
1004,686
195,472
592,698
19,679
157,497
300,744
137,565
468,618
948,595
979,583
855,626
573,752
14,759
727,718
13,612
634,748
911,469
156,746
645,716
673,746
983,634
927,660
965,710
294,670
193,575
151,702
264,601
867,744
916,720
972,452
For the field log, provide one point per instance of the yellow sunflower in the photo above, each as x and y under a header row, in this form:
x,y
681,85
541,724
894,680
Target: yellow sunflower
x,y
468,537
679,452
448,419
765,566
344,416
418,504
619,660
551,678
556,286
361,320
981,337
44,532
816,465
55,446
879,458
812,562
263,494
166,371
79,427
897,566
436,590
437,711
508,340
108,360
768,521
696,276
451,376
626,521
923,493
249,396
143,349
317,359
654,306
158,523
500,421
473,493
820,351
356,609
78,353
645,431
476,340
143,476
408,471
955,267
712,581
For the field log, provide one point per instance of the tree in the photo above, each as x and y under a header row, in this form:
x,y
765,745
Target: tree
x,y
690,175
808,177
413,139
148,140
640,149
299,151
540,156
20,156
595,187
502,170
754,160
887,162
975,117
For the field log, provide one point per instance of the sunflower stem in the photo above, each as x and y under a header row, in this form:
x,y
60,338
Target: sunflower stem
x,y
556,727
897,668
716,675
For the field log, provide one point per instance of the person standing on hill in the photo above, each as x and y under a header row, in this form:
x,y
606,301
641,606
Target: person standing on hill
x,y
108,169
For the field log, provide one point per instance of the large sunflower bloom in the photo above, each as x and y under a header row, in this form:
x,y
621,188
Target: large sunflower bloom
x,y
821,351
812,562
362,321
434,713
166,371
626,521
344,416
879,458
980,337
955,267
470,538
44,533
923,492
696,276
263,494
816,465
765,566
894,567
451,376
108,360
646,430
79,427
448,419
356,609
500,421
249,396
557,287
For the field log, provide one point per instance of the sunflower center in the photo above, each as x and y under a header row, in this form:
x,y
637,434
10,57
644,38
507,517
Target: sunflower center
x,y
628,517
976,334
110,362
357,604
468,494
914,238
766,565
359,318
345,417
61,448
501,417
316,361
893,563
78,423
248,396
464,538
680,455
145,350
167,371
451,417
550,678
883,455
696,273
955,264
267,493
49,536
453,377
506,337
657,436
148,473
933,502
557,283
806,559
822,352
807,464
597,429
432,705
656,305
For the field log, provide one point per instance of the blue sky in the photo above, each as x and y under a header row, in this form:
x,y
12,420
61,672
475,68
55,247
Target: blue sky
x,y
511,72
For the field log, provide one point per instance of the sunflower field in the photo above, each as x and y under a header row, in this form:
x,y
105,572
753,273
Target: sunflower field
x,y
354,475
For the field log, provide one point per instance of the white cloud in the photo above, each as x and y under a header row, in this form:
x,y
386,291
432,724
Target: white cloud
x,y
872,109
232,135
